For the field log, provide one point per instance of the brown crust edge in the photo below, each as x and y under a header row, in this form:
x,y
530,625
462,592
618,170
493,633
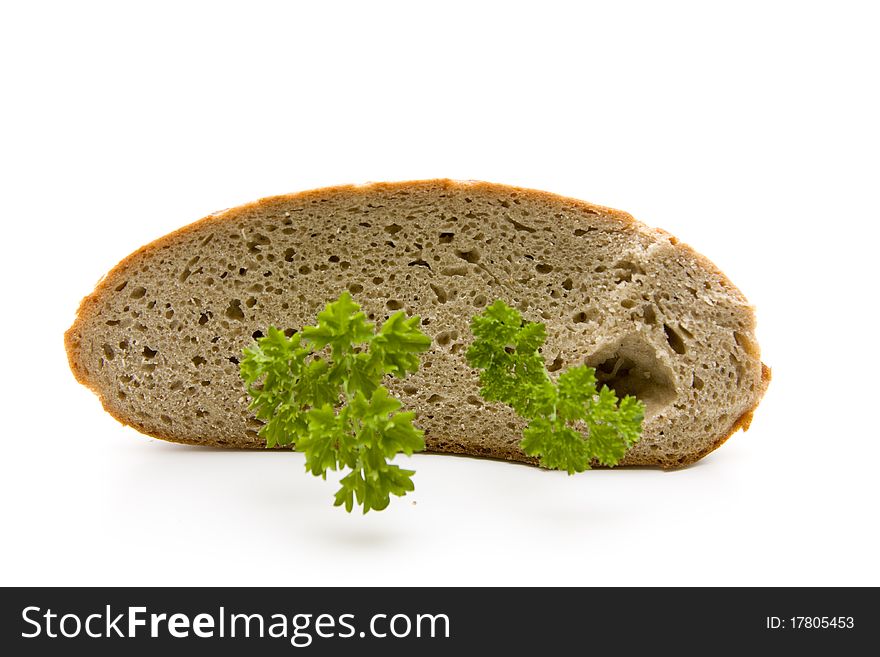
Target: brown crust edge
x,y
89,303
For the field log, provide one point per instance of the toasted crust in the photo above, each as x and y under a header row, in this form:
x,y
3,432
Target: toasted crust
x,y
91,304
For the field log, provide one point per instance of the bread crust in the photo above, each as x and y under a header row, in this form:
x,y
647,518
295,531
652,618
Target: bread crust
x,y
90,304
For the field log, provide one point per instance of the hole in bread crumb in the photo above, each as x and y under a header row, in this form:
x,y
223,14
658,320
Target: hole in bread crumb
x,y
108,352
440,293
355,288
251,302
474,401
624,271
393,304
165,419
121,286
255,245
199,361
567,284
519,226
433,399
138,293
149,353
256,335
628,303
556,365
649,314
234,310
444,338
480,300
746,344
674,339
419,263
697,383
393,229
542,268
461,270
446,238
469,255
632,367
410,390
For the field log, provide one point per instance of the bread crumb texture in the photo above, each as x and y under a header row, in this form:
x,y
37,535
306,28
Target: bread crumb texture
x,y
159,340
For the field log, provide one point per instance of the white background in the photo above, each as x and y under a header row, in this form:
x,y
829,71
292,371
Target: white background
x,y
749,132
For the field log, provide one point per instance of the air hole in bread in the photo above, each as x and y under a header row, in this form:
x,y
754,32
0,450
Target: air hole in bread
x,y
674,339
198,361
474,401
746,344
567,284
444,338
480,300
433,399
138,293
446,238
393,229
108,352
460,270
419,263
543,268
468,255
624,271
649,314
149,353
393,304
519,226
355,288
440,293
255,244
697,383
632,367
556,365
234,311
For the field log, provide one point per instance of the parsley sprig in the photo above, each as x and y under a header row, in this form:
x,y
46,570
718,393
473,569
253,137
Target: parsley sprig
x,y
333,406
505,350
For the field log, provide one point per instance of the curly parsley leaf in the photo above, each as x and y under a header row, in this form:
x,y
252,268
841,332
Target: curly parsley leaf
x,y
505,351
333,406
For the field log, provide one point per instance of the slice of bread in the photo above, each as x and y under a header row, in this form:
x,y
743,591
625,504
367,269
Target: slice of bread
x,y
160,337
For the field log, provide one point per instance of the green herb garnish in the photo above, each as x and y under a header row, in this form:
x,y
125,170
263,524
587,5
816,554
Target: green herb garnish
x,y
505,350
320,390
